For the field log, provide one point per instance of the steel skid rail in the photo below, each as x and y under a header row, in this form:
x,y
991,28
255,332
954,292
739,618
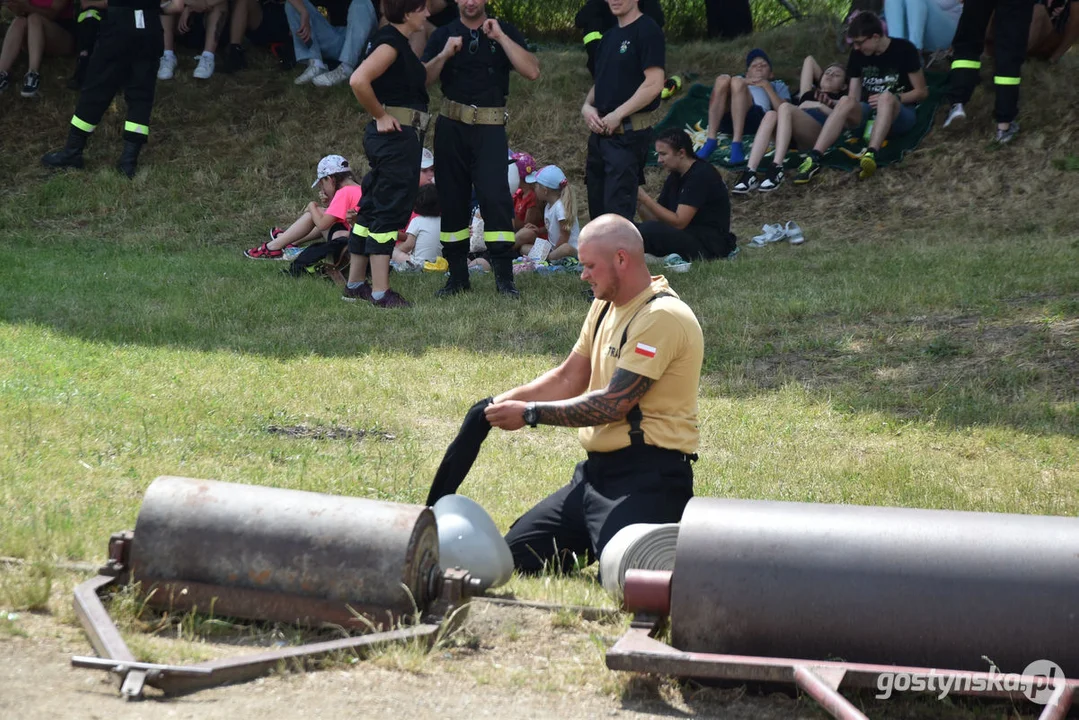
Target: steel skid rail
x,y
647,593
448,607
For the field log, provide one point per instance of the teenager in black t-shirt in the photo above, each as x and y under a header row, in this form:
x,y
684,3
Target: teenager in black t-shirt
x,y
886,82
391,84
629,79
693,214
470,136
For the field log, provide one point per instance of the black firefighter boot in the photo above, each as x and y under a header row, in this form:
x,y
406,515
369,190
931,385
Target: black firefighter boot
x,y
71,154
503,269
458,281
129,158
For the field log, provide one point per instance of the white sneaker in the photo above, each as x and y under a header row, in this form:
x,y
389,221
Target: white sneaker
x,y
205,68
167,67
313,71
334,77
956,113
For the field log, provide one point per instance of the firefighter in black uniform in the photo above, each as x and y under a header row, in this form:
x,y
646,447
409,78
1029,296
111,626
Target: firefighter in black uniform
x,y
126,55
595,18
472,56
391,84
1011,28
629,78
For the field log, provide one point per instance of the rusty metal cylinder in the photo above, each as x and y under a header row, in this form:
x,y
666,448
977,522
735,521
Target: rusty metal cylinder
x,y
928,588
286,555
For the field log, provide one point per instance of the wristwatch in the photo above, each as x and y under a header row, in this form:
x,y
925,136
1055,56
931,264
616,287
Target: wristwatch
x,y
531,415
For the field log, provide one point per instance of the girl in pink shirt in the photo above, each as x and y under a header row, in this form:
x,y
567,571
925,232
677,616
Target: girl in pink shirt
x,y
336,187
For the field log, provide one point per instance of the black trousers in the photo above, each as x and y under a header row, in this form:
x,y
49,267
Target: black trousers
x,y
614,168
389,189
87,29
473,156
1012,26
661,239
609,491
126,56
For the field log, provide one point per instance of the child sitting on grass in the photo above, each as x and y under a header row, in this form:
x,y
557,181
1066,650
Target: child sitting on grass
x,y
422,242
738,104
337,188
559,215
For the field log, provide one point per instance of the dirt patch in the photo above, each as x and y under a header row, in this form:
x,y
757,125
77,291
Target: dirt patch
x,y
505,662
318,432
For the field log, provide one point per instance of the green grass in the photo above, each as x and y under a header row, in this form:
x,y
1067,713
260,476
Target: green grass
x,y
920,350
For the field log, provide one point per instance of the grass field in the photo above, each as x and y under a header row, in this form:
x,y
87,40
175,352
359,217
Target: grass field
x,y
922,349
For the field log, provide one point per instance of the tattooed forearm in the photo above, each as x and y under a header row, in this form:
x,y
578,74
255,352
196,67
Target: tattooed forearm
x,y
599,407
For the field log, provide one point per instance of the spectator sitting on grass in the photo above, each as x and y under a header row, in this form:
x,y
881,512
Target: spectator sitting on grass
x,y
87,26
263,22
819,92
886,83
423,237
315,40
559,215
526,207
693,214
45,26
738,104
337,188
214,12
1053,29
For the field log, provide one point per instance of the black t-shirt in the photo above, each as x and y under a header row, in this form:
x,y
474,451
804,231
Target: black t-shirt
x,y
702,187
891,70
480,78
404,83
623,56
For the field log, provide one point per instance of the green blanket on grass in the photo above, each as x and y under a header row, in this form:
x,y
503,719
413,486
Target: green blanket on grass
x,y
691,114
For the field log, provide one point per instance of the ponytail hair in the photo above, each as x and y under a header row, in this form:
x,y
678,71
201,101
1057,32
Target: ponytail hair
x,y
677,139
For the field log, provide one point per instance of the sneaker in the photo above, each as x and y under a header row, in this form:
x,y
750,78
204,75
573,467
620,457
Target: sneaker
x,y
955,114
774,179
167,67
336,76
205,67
391,300
1008,134
313,71
30,84
868,162
793,232
363,292
235,59
5,80
806,171
263,252
748,181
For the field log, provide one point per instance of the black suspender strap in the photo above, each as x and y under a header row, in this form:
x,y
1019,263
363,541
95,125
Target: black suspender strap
x,y
634,416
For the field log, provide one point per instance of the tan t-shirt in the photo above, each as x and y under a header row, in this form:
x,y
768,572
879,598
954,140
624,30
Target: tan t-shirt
x,y
665,344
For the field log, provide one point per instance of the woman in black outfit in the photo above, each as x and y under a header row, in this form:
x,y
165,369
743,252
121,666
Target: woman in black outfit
x,y
692,216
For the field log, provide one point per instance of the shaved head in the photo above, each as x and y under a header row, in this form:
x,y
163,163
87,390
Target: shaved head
x,y
611,252
614,233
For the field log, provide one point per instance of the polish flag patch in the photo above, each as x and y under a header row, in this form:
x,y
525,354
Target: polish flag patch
x,y
647,350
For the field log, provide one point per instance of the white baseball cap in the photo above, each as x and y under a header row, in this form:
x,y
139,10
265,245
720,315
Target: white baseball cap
x,y
427,159
331,165
549,176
